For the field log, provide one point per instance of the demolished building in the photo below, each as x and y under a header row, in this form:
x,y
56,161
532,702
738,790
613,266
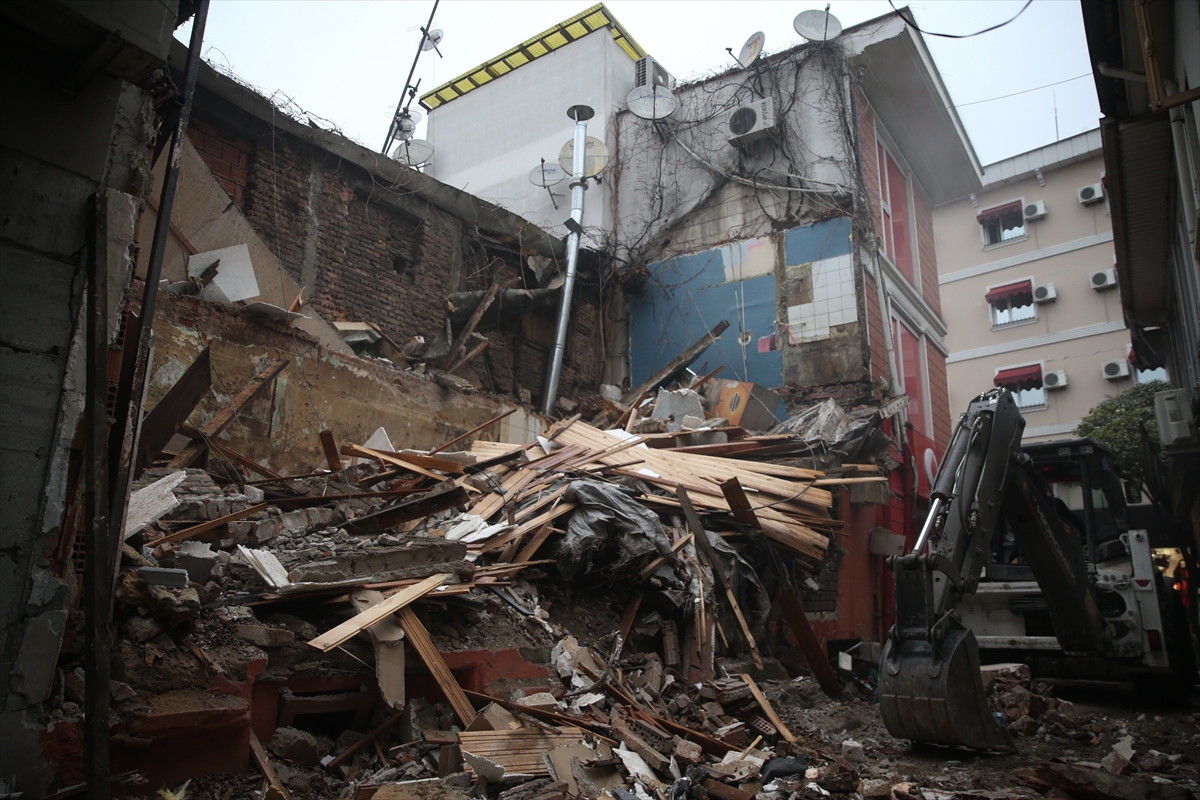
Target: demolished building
x,y
338,555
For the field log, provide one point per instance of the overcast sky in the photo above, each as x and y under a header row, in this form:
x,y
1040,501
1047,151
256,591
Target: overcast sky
x,y
345,61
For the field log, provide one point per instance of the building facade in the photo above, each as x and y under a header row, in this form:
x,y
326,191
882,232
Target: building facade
x,y
1146,60
1029,289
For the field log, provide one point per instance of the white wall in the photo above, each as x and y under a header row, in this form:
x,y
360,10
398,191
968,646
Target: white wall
x,y
488,140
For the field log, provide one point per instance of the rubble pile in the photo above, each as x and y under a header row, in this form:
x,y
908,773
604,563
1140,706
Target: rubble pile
x,y
592,614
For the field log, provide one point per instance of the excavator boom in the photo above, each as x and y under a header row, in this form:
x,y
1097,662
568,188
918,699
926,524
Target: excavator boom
x,y
930,688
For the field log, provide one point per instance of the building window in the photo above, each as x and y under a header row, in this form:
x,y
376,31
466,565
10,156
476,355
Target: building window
x,y
1011,303
912,377
893,204
1147,375
1026,385
1002,224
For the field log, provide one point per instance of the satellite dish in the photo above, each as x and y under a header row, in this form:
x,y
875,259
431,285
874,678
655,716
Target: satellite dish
x,y
547,175
413,152
594,160
406,124
752,49
431,40
652,102
817,26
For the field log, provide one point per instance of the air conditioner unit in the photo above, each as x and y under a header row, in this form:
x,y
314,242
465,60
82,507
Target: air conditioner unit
x,y
1046,293
1115,370
751,121
1171,414
1035,210
1103,279
1091,194
1055,380
648,72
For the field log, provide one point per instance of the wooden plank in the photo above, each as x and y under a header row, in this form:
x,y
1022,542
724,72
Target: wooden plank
x,y
329,445
277,791
396,460
474,430
679,362
705,549
523,528
530,549
739,504
469,357
542,714
212,524
418,637
460,341
768,709
365,619
173,410
793,613
653,565
447,495
227,414
365,741
447,465
245,461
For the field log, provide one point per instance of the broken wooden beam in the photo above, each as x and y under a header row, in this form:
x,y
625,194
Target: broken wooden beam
x,y
679,362
365,741
365,619
474,430
460,341
768,709
793,614
173,410
705,550
418,637
212,524
277,791
447,495
739,504
329,445
226,415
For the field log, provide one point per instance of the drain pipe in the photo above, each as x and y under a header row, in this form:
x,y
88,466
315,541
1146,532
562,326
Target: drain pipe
x,y
581,114
1183,165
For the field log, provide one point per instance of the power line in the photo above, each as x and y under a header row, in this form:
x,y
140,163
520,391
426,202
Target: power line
x,y
914,26
1024,91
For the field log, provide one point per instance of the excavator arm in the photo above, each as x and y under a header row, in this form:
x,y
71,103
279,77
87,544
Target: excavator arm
x,y
930,687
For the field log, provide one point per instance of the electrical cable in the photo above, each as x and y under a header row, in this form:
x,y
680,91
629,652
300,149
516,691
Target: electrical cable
x,y
916,28
1023,91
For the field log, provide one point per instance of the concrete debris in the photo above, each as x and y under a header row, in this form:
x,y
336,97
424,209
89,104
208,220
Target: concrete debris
x,y
594,614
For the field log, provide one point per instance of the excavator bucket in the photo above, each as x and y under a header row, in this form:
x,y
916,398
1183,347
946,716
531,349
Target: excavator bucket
x,y
936,694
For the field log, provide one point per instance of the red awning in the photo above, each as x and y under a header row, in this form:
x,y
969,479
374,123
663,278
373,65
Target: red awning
x,y
1019,378
1011,291
1000,211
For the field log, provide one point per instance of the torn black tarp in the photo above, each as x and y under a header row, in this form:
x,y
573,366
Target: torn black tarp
x,y
603,510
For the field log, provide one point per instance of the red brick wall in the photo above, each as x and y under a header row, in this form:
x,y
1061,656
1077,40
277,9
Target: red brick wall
x,y
367,253
227,156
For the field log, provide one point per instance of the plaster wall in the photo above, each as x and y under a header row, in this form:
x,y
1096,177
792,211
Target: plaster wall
x,y
48,171
1063,249
487,141
319,390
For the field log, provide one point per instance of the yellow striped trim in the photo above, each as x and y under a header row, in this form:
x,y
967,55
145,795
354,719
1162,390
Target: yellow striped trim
x,y
593,19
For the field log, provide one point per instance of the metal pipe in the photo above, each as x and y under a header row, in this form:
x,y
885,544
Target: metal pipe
x,y
1120,74
1183,165
581,114
927,528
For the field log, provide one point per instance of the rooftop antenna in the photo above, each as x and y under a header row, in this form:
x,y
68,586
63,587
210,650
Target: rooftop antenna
x,y
430,39
651,102
817,26
548,175
751,50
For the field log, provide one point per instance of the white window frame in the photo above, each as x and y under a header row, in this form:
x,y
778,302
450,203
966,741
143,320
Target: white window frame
x,y
1003,242
1003,326
883,139
1041,365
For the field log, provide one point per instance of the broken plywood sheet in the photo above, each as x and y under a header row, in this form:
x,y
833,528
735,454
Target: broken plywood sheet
x,y
227,274
150,502
518,750
205,218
